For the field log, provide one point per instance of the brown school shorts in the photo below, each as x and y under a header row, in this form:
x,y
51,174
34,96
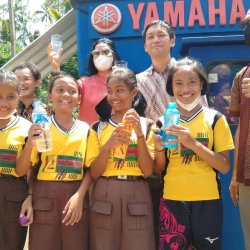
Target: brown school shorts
x,y
121,215
13,192
47,231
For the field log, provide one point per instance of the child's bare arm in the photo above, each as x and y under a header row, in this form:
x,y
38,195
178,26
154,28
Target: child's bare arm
x,y
73,208
23,163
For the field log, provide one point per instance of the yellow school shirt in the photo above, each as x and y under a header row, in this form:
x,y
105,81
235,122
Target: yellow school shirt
x,y
70,152
130,166
12,141
188,177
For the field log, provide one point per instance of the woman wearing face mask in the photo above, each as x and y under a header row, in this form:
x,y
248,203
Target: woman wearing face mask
x,y
93,87
191,206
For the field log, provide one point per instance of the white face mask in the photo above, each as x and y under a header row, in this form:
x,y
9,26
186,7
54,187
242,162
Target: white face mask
x,y
189,106
103,63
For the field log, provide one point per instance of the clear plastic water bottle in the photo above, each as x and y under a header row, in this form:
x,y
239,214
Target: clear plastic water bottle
x,y
40,116
171,117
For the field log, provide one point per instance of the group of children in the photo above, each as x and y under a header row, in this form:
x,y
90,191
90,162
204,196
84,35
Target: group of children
x,y
120,215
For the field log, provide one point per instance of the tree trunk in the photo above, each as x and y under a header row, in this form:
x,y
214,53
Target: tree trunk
x,y
12,28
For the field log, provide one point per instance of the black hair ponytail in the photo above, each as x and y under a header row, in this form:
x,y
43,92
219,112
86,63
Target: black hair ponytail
x,y
140,104
103,110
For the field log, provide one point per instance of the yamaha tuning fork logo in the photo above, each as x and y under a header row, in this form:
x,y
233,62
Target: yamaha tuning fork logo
x,y
106,18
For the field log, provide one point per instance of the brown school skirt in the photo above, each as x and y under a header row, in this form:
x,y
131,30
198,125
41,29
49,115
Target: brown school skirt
x,y
13,192
47,231
121,215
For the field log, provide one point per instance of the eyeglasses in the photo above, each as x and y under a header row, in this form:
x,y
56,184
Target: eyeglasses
x,y
106,51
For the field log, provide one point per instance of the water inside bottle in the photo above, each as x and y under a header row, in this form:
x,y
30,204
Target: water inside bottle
x,y
172,119
44,143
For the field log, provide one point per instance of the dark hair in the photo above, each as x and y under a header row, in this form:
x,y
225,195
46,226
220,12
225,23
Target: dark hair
x,y
60,75
32,67
224,73
10,78
91,66
196,67
139,103
163,24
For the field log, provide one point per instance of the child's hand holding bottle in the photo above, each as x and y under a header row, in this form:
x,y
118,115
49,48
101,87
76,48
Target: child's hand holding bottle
x,y
125,128
132,121
35,132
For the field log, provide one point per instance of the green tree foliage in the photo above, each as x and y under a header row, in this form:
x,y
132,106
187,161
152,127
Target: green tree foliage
x,y
5,46
5,54
63,6
5,30
71,66
51,11
23,20
48,15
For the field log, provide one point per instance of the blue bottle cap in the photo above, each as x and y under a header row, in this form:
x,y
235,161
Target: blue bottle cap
x,y
172,105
